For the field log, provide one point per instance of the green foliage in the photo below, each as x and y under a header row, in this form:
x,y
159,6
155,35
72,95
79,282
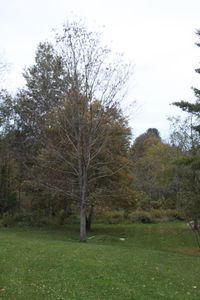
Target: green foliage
x,y
153,170
154,216
61,217
8,181
189,107
114,217
140,217
188,165
156,204
153,131
187,172
144,202
27,219
165,215
144,142
7,220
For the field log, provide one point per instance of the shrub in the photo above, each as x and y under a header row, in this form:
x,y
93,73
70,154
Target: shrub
x,y
111,217
166,215
144,203
140,217
7,220
156,204
115,217
61,217
73,218
26,219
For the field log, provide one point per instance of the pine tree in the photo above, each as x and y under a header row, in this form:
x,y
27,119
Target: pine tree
x,y
189,163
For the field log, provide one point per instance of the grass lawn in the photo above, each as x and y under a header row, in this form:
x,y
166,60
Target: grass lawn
x,y
155,261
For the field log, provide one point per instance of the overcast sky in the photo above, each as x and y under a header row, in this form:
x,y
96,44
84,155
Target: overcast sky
x,y
158,36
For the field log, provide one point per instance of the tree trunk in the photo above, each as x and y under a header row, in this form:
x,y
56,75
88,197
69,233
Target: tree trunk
x,y
83,236
82,224
196,227
88,223
89,218
19,197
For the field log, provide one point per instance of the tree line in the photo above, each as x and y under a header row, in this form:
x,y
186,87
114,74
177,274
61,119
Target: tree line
x,y
66,144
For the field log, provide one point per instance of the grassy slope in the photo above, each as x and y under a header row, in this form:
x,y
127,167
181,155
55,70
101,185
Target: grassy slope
x,y
154,262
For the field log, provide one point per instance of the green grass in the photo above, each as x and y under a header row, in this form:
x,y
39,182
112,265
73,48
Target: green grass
x,y
155,261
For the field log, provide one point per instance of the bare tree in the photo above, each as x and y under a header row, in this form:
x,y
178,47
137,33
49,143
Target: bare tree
x,y
87,121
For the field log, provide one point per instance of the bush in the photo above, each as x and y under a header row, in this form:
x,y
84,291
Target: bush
x,y
144,203
61,217
26,219
156,204
155,215
7,220
115,217
110,217
73,218
163,215
140,217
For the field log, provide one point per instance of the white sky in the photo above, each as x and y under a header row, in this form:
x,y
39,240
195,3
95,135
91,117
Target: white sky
x,y
157,35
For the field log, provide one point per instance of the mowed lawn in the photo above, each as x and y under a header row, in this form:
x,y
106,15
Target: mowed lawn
x,y
155,261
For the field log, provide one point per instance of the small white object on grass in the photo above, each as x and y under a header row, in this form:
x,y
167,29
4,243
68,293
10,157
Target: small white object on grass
x,y
122,239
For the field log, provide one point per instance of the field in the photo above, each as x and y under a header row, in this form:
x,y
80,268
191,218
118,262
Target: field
x,y
136,261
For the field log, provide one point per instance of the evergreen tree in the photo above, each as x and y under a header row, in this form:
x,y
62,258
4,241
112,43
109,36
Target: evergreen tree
x,y
190,161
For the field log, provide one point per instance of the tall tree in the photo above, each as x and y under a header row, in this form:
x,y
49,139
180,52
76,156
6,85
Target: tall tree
x,y
191,159
74,89
144,141
152,167
193,108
